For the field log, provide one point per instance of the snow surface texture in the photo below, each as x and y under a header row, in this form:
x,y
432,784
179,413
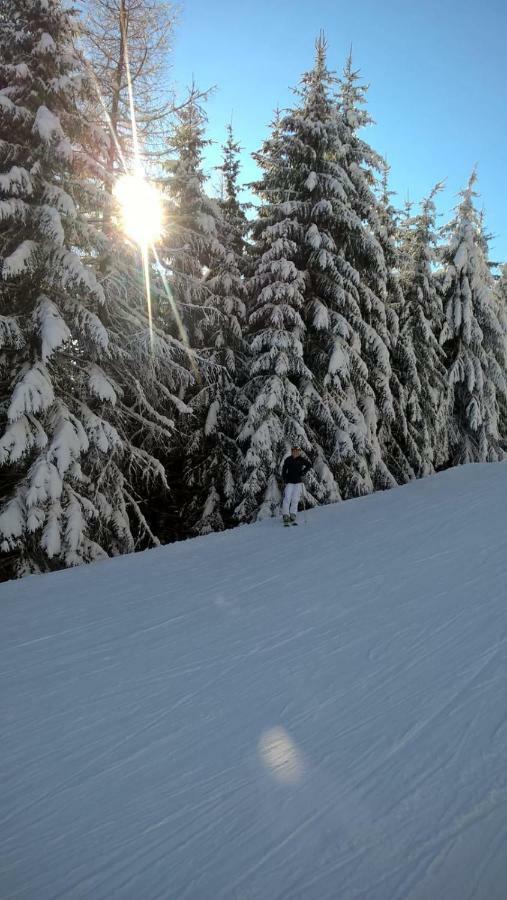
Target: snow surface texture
x,y
268,713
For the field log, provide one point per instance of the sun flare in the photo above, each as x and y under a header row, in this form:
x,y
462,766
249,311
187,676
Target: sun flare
x,y
141,209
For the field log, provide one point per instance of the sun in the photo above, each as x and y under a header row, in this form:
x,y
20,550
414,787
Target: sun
x,y
141,209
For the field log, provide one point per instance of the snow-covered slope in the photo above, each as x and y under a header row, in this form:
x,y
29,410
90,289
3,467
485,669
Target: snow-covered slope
x,y
270,713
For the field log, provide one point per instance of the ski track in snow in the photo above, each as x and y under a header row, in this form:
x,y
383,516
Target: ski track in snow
x,y
267,714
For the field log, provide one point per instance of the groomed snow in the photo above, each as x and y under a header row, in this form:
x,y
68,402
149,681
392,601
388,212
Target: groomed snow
x,y
309,713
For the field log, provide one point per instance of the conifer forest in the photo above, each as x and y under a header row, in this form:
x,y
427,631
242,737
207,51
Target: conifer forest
x,y
164,344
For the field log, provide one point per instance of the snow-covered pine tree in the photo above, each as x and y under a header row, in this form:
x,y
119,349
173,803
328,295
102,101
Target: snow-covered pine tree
x,y
501,298
418,359
68,374
473,338
501,285
234,219
309,381
276,301
213,455
342,418
46,289
202,259
192,238
358,237
393,431
387,218
156,371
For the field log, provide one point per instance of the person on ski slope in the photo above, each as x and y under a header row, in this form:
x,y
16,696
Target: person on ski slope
x,y
294,469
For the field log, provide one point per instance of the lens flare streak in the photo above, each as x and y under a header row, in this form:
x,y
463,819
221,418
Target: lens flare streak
x,y
146,270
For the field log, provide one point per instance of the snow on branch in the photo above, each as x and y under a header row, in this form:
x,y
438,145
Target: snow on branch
x,y
70,271
100,385
47,125
32,394
20,261
19,438
16,182
10,333
52,329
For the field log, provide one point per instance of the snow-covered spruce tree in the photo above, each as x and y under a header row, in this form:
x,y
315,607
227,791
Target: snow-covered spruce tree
x,y
394,435
309,381
234,220
343,345
213,455
155,371
501,300
473,338
387,234
275,329
203,261
501,285
358,236
418,359
65,361
192,236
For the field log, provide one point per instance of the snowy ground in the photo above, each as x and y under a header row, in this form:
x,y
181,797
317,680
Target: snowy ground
x,y
308,713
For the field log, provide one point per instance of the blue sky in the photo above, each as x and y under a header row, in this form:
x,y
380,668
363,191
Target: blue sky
x,y
437,71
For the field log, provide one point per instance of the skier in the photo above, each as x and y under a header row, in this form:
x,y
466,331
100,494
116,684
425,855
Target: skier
x,y
294,469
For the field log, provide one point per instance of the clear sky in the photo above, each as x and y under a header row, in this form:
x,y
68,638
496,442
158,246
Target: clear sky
x,y
437,71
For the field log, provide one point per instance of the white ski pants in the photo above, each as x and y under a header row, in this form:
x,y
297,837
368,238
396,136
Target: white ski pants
x,y
291,497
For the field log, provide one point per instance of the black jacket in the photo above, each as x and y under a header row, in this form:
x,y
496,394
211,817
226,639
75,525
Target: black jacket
x,y
294,469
